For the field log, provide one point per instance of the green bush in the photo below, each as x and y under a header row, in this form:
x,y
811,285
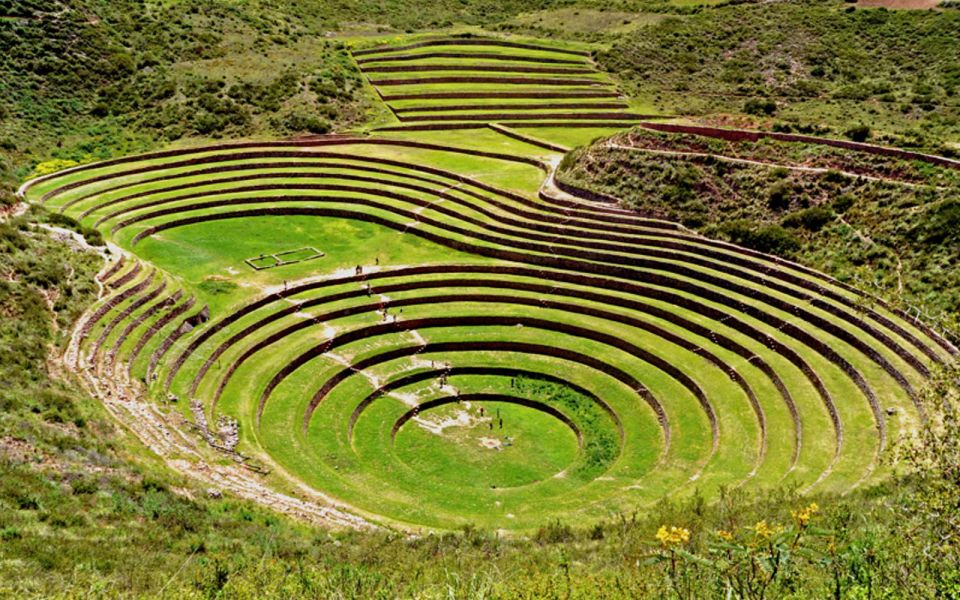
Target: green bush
x,y
302,122
843,202
772,239
7,197
760,107
811,219
941,223
858,133
779,195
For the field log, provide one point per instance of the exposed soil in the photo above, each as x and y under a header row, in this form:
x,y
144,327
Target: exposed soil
x,y
491,443
907,4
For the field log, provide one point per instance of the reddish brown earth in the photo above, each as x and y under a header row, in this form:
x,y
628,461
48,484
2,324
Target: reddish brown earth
x,y
914,4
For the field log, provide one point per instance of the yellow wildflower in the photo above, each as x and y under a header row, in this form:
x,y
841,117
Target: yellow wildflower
x,y
764,530
724,535
673,535
802,517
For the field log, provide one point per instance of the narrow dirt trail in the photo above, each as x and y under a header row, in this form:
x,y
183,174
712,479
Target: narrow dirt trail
x,y
164,433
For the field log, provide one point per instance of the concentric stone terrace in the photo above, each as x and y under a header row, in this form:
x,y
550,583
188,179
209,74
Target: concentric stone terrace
x,y
475,346
452,82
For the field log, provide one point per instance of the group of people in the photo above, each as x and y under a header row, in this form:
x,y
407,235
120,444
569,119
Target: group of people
x,y
358,270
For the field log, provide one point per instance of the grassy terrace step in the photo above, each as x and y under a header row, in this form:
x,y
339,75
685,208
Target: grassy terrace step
x,y
481,94
128,317
822,322
466,42
499,285
400,110
628,358
485,68
468,56
405,73
525,116
426,82
350,188
647,378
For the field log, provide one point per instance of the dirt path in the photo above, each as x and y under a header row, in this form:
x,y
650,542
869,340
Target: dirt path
x,y
165,433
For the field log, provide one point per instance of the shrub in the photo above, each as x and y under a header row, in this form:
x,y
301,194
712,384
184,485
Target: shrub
x,y
92,236
858,133
812,219
84,486
554,533
772,239
942,223
832,176
760,106
779,195
843,202
62,220
298,121
7,198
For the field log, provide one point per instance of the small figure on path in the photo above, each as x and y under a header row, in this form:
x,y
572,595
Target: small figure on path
x,y
359,270
378,260
481,411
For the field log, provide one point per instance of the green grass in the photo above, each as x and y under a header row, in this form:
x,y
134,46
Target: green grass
x,y
657,337
574,21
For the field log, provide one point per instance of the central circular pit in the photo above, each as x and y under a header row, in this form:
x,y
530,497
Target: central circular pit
x,y
487,441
